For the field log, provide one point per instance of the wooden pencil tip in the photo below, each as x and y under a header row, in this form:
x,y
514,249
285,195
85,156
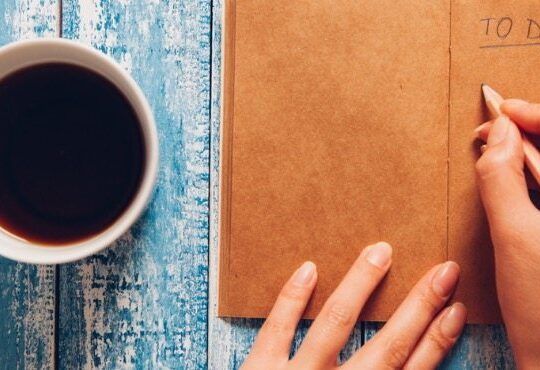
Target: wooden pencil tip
x,y
491,93
493,100
486,88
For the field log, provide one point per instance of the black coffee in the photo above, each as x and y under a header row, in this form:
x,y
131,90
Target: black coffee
x,y
71,153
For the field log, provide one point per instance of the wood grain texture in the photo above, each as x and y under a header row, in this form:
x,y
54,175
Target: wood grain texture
x,y
27,292
142,304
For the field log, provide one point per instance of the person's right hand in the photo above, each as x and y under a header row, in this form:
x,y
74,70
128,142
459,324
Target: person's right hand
x,y
514,225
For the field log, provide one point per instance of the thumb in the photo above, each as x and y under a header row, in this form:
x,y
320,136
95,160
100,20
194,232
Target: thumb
x,y
500,174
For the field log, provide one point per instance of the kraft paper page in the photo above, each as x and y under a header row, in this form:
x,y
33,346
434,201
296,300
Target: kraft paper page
x,y
346,123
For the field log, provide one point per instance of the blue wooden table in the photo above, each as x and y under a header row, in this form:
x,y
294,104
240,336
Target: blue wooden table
x,y
149,302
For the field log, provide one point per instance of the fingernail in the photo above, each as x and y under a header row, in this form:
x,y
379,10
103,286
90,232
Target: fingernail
x,y
445,279
304,274
498,130
478,130
453,320
379,254
483,148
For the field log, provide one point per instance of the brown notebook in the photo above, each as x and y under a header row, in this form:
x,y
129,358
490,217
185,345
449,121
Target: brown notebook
x,y
349,122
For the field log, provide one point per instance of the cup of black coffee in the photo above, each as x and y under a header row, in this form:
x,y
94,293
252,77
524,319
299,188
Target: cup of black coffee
x,y
78,151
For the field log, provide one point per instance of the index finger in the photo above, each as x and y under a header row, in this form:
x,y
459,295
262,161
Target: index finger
x,y
525,115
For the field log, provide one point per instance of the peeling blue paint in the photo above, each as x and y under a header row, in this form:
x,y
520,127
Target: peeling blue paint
x,y
143,303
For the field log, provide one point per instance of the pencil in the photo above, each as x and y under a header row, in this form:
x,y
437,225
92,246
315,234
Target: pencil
x,y
532,156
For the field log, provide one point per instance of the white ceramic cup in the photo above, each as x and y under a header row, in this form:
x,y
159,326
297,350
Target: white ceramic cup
x,y
22,54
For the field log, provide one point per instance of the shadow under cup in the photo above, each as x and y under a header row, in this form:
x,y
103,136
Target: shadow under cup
x,y
78,151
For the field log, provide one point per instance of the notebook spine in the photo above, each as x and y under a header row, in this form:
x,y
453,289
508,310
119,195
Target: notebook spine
x,y
226,147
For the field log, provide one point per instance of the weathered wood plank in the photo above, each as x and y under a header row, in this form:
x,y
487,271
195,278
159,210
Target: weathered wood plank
x,y
143,303
481,347
27,292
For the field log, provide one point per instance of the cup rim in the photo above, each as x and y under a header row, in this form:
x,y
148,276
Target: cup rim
x,y
17,249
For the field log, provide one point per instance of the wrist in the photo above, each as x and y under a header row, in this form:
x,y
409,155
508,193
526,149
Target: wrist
x,y
527,362
526,351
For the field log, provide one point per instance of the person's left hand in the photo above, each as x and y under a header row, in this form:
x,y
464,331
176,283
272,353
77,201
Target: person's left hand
x,y
417,336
